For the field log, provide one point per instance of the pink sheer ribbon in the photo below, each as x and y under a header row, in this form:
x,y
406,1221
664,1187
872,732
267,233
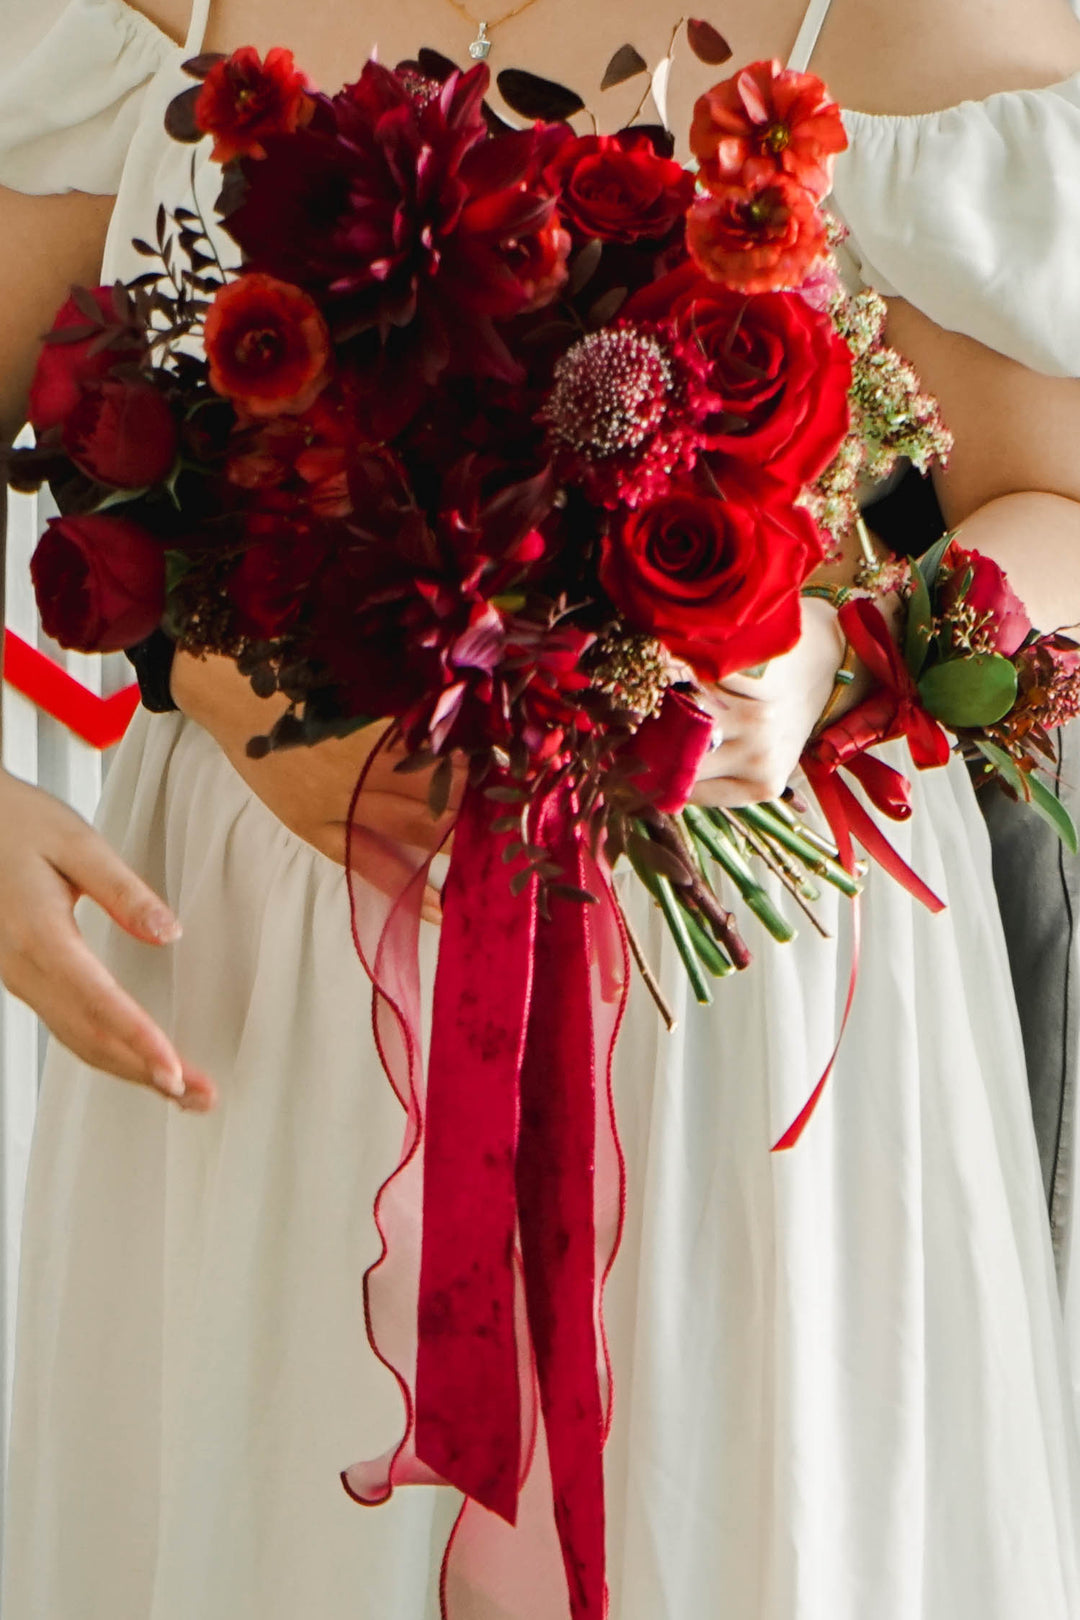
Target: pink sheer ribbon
x,y
502,1219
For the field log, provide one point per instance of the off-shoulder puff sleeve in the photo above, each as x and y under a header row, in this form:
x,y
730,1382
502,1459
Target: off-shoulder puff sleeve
x,y
72,76
973,215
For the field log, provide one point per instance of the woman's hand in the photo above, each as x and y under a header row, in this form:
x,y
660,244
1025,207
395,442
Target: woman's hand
x,y
765,721
49,857
310,789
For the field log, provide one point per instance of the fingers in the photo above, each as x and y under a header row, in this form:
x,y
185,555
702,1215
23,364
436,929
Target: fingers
x,y
95,869
82,1004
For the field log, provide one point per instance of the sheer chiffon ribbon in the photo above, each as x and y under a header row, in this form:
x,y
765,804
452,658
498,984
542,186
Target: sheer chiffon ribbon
x,y
893,710
501,1221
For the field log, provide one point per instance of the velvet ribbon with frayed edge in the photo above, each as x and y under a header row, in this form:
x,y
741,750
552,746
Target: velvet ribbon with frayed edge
x,y
501,1221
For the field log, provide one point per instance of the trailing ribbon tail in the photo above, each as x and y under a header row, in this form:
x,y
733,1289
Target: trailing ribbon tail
x,y
491,1320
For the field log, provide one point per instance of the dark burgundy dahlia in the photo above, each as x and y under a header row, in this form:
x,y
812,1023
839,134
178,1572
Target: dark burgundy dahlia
x,y
415,231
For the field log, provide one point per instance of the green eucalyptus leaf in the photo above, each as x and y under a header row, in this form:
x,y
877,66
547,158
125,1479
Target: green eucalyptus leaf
x,y
968,693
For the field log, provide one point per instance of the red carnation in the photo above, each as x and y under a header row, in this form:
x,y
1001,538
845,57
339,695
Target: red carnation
x,y
99,581
781,371
717,581
768,120
759,238
244,100
122,432
618,188
268,346
64,368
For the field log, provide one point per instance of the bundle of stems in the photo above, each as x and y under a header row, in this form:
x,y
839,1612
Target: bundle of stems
x,y
678,859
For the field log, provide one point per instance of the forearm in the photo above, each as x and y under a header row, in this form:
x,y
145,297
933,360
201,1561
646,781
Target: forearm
x,y
1035,538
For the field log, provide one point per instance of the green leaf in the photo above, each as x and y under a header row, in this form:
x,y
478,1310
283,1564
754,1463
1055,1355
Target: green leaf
x,y
920,623
177,567
969,692
119,497
930,561
1035,791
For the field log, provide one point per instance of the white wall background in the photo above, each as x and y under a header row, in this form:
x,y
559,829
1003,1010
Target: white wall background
x,y
38,749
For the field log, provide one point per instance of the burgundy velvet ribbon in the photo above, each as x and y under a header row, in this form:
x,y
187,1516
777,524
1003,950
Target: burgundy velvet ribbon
x,y
510,1149
670,746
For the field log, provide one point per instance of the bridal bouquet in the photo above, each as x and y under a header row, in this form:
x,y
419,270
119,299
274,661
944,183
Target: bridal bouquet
x,y
512,438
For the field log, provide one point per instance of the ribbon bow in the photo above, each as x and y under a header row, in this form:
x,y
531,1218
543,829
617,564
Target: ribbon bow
x,y
894,709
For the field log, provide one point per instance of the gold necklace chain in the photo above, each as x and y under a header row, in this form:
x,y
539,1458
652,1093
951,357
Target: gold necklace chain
x,y
480,47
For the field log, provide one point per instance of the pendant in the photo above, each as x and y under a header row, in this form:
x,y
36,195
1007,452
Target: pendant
x,y
480,48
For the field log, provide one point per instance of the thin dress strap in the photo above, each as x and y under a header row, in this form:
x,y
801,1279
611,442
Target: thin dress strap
x,y
813,22
200,16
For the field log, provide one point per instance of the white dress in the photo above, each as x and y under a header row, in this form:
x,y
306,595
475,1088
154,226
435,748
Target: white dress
x,y
841,1387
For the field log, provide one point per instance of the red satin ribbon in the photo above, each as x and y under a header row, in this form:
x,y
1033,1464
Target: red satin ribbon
x,y
893,710
99,721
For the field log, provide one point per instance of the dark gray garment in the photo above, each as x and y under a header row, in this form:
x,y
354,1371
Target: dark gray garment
x,y
1038,888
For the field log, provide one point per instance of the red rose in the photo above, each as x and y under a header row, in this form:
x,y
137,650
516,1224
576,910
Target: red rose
x,y
269,585
122,433
244,99
268,346
717,581
759,238
99,581
768,120
1004,618
63,369
779,367
618,188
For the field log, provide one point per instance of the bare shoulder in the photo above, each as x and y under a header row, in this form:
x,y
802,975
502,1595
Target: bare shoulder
x,y
171,16
929,54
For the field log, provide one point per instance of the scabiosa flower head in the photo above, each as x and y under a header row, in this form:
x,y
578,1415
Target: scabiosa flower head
x,y
626,411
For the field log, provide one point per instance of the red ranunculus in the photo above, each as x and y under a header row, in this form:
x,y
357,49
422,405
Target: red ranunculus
x,y
99,581
244,100
759,238
538,264
989,595
63,369
122,432
779,367
618,187
717,581
764,121
268,346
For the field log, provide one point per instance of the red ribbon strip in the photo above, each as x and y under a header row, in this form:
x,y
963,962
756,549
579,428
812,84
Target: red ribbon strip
x,y
893,710
99,721
510,1147
501,1221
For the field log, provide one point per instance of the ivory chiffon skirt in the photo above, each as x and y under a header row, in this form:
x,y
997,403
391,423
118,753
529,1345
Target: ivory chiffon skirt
x,y
841,1392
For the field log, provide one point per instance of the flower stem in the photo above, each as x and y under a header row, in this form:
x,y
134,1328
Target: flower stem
x,y
711,835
